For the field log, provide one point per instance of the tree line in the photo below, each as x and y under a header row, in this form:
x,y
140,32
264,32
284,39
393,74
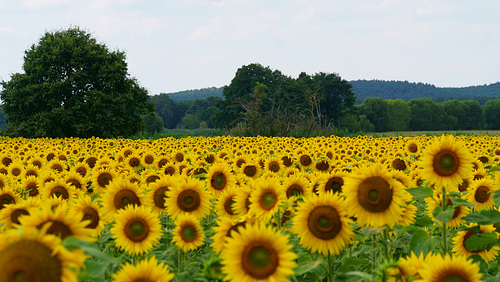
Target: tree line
x,y
262,101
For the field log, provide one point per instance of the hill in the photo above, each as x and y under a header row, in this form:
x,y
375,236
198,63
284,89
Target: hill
x,y
410,90
196,94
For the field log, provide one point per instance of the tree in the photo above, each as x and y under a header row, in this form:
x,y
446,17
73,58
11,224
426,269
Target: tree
x,y
153,122
492,114
376,110
425,115
400,114
73,86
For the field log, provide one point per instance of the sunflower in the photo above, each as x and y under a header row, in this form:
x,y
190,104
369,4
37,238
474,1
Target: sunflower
x,y
266,199
461,238
242,200
11,213
408,215
81,168
459,212
8,197
58,220
333,182
188,196
58,188
322,225
257,252
297,185
220,178
31,170
57,165
224,203
101,178
148,158
77,180
88,211
305,161
171,169
449,268
446,162
412,147
225,226
133,161
411,265
137,229
121,193
481,194
251,170
28,254
15,169
374,197
145,270
158,192
188,233
149,176
273,165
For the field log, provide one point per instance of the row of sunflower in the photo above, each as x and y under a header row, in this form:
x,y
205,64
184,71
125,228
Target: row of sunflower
x,y
250,209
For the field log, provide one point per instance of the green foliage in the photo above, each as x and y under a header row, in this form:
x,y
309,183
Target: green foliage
x,y
492,114
425,115
73,86
153,122
195,94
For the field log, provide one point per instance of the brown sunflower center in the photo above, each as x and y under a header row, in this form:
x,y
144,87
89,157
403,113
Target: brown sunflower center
x,y
160,196
287,161
305,160
188,233
104,178
268,200
399,164
134,162
6,199
162,162
274,166
92,215
179,157
482,194
413,148
259,260
60,192
453,277
334,184
82,171
126,197
235,228
75,183
445,163
240,162
250,170
137,229
294,190
149,159
218,181
169,170
152,178
57,228
29,260
324,222
14,215
32,189
462,187
228,205
322,165
188,200
375,194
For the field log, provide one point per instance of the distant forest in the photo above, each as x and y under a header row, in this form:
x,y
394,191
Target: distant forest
x,y
263,101
363,89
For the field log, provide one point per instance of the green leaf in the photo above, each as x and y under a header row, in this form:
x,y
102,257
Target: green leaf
x,y
493,169
93,270
460,202
421,192
72,243
496,197
483,241
306,264
424,221
484,217
423,243
443,216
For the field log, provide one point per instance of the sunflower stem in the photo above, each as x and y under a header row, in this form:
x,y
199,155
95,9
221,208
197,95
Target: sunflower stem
x,y
330,267
444,203
385,245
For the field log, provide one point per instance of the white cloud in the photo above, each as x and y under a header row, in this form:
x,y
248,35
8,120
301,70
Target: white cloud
x,y
43,3
99,4
206,31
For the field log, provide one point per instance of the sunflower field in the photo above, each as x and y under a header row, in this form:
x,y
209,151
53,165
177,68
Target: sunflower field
x,y
250,209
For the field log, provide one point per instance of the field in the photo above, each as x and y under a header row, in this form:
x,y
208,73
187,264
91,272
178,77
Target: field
x,y
251,208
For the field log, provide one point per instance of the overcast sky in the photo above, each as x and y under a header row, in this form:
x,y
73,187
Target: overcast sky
x,y
189,44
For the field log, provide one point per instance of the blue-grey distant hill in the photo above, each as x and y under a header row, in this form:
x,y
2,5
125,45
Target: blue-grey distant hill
x,y
410,90
384,89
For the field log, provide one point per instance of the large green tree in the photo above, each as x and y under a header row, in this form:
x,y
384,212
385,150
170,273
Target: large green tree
x,y
492,114
73,86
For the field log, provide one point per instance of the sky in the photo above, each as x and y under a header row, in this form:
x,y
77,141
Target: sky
x,y
177,45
